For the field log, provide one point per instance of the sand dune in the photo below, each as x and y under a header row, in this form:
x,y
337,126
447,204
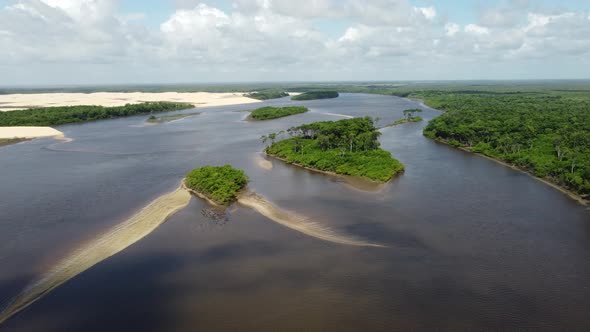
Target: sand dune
x,y
297,222
104,246
29,132
12,102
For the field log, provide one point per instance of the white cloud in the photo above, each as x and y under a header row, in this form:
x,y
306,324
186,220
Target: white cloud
x,y
257,37
476,29
451,29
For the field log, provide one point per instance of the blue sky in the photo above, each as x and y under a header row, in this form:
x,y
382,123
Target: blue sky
x,y
152,41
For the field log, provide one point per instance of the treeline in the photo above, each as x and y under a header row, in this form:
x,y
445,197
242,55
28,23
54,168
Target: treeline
x,y
52,116
546,133
266,95
269,112
316,95
348,147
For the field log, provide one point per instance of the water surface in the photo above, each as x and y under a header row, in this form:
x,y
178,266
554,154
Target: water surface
x,y
471,244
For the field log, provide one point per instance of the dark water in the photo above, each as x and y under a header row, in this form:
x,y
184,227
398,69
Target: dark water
x,y
472,245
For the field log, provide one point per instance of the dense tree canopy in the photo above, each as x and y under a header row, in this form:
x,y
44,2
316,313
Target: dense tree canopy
x,y
220,183
316,95
268,94
546,133
269,112
347,147
52,116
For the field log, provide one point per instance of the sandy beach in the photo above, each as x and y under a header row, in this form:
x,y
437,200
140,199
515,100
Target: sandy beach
x,y
13,102
29,132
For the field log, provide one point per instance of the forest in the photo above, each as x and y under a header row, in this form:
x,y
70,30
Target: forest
x,y
219,183
546,133
269,112
52,116
316,95
266,95
348,147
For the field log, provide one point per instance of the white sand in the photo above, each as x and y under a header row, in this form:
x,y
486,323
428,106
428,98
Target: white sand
x,y
100,248
199,99
297,222
13,102
29,132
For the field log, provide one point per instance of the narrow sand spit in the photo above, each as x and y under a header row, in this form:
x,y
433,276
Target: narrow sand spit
x,y
339,115
263,163
13,102
29,132
97,250
297,222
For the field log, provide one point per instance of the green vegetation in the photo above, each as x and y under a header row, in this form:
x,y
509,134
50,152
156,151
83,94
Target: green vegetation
x,y
168,118
544,132
8,141
348,147
51,116
269,112
219,183
316,95
266,95
405,120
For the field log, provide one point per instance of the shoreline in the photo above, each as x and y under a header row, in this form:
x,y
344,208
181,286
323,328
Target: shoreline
x,y
358,183
202,196
19,101
583,201
572,195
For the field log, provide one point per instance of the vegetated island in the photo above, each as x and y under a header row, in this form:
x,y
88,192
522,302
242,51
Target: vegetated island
x,y
266,95
546,134
52,116
219,185
408,117
167,118
346,147
311,95
270,112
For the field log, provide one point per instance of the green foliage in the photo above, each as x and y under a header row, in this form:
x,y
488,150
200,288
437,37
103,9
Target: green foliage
x,y
348,147
266,95
220,183
405,120
269,112
544,132
51,116
316,95
168,118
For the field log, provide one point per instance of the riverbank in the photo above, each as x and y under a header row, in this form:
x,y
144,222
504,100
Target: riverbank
x,y
580,199
354,182
13,135
11,102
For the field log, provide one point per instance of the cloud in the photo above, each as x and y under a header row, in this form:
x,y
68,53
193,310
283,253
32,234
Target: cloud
x,y
256,38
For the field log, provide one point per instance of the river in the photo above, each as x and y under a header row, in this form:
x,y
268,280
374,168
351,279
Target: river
x,y
468,244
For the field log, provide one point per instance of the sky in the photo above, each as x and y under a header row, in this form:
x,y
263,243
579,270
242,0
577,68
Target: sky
x,y
72,42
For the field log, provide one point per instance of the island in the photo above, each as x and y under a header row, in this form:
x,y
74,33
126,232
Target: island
x,y
167,118
311,95
270,112
52,116
266,95
217,184
408,117
346,147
